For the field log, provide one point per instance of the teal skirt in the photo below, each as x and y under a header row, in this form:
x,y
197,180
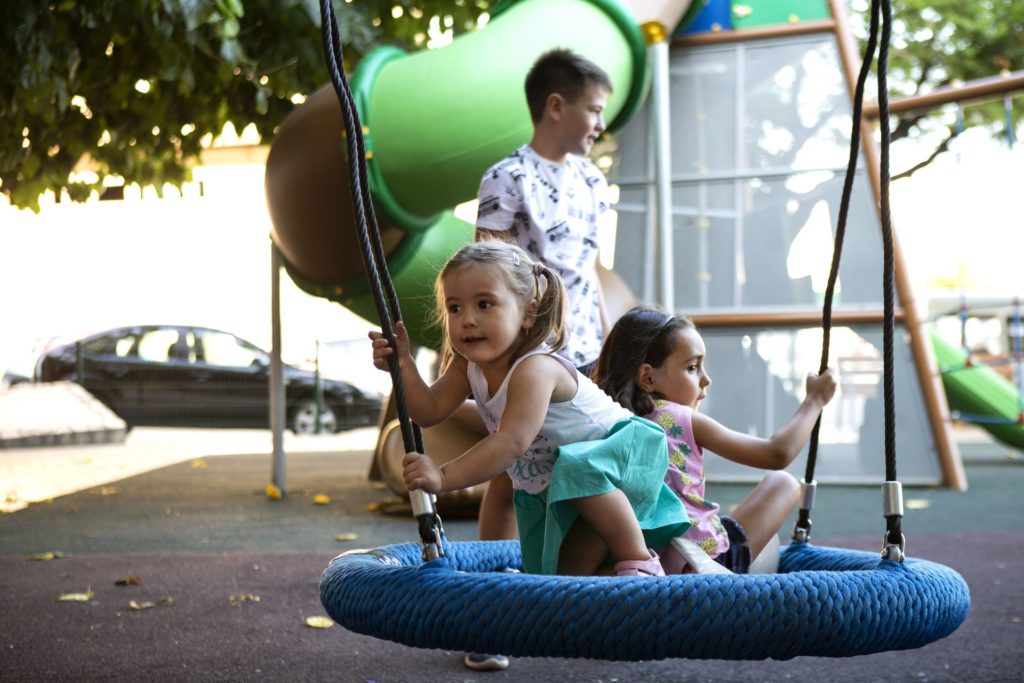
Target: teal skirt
x,y
632,458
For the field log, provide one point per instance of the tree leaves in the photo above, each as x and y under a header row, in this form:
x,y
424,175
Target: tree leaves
x,y
938,42
207,63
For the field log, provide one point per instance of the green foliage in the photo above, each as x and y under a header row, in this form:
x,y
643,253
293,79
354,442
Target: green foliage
x,y
129,87
936,43
74,72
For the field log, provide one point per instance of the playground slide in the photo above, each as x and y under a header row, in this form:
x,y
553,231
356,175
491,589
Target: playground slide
x,y
433,121
980,394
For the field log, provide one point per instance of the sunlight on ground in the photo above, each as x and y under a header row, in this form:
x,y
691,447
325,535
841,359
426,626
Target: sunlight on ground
x,y
32,475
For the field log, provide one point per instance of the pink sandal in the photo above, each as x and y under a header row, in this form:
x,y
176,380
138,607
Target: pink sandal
x,y
649,567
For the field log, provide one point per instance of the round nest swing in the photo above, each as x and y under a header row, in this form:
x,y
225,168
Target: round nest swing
x,y
825,602
471,597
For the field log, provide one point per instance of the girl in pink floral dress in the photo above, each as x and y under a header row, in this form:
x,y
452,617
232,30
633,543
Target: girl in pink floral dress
x,y
653,364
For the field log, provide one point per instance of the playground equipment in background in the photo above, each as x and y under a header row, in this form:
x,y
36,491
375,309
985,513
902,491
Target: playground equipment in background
x,y
975,391
434,122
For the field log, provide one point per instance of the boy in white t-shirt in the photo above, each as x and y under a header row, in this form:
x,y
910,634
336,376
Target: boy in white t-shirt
x,y
548,198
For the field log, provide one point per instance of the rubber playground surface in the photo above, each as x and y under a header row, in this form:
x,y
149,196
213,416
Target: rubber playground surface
x,y
190,572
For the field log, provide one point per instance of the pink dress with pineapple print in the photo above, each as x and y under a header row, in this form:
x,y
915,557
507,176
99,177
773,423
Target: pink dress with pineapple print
x,y
685,476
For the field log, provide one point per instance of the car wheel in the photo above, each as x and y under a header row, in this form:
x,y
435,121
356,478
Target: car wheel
x,y
304,418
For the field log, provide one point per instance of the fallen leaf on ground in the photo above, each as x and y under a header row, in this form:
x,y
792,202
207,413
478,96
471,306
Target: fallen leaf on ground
x,y
321,499
319,622
199,464
384,503
77,597
273,491
237,600
131,580
148,604
46,557
346,537
109,491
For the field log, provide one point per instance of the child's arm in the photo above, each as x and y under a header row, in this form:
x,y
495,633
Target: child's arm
x,y
428,404
782,447
530,391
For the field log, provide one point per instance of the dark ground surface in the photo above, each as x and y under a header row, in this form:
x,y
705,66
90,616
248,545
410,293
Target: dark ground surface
x,y
234,575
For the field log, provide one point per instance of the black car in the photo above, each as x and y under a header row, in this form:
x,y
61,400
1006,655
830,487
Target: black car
x,y
182,376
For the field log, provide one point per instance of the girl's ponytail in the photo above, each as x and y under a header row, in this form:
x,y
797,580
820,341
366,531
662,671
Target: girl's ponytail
x,y
549,321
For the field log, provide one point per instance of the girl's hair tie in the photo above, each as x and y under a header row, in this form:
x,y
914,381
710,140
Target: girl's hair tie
x,y
538,268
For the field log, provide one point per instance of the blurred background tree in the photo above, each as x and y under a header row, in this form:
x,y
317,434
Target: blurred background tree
x,y
129,88
937,43
93,89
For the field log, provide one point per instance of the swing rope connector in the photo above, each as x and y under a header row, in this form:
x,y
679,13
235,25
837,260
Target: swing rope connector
x,y
424,510
892,510
802,528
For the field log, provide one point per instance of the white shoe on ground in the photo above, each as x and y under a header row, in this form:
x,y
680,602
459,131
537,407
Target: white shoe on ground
x,y
482,662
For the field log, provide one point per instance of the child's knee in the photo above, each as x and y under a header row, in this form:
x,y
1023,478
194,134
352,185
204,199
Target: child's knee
x,y
783,484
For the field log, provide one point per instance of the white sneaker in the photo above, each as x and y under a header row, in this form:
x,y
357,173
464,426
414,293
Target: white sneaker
x,y
767,561
482,662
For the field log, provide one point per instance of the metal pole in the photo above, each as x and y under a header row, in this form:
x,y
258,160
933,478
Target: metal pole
x,y
650,252
277,399
663,177
318,389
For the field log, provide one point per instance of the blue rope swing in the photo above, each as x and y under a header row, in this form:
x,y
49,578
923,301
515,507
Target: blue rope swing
x,y
470,596
824,602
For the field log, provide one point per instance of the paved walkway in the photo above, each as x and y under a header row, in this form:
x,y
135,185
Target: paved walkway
x,y
226,577
31,475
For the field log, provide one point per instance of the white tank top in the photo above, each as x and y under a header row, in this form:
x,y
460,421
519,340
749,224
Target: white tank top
x,y
588,416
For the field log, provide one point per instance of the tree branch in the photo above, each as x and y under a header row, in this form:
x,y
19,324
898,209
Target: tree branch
x,y
942,147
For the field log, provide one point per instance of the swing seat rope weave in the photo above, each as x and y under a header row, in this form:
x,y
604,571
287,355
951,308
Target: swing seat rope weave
x,y
824,602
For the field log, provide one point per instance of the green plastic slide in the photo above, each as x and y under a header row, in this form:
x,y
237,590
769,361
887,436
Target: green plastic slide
x,y
980,394
433,122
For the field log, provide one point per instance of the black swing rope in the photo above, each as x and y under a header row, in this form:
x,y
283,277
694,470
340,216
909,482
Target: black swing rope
x,y
385,592
388,309
894,541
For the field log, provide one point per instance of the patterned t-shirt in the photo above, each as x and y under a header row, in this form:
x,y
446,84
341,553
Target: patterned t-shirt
x,y
685,476
553,211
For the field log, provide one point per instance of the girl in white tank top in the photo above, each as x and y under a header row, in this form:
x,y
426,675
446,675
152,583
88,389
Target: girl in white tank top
x,y
589,477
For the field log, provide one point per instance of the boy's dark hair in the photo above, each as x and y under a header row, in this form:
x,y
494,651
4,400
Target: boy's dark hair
x,y
643,335
564,72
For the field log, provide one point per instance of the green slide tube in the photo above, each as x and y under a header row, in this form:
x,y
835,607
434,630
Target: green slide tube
x,y
437,119
433,121
980,390
413,266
